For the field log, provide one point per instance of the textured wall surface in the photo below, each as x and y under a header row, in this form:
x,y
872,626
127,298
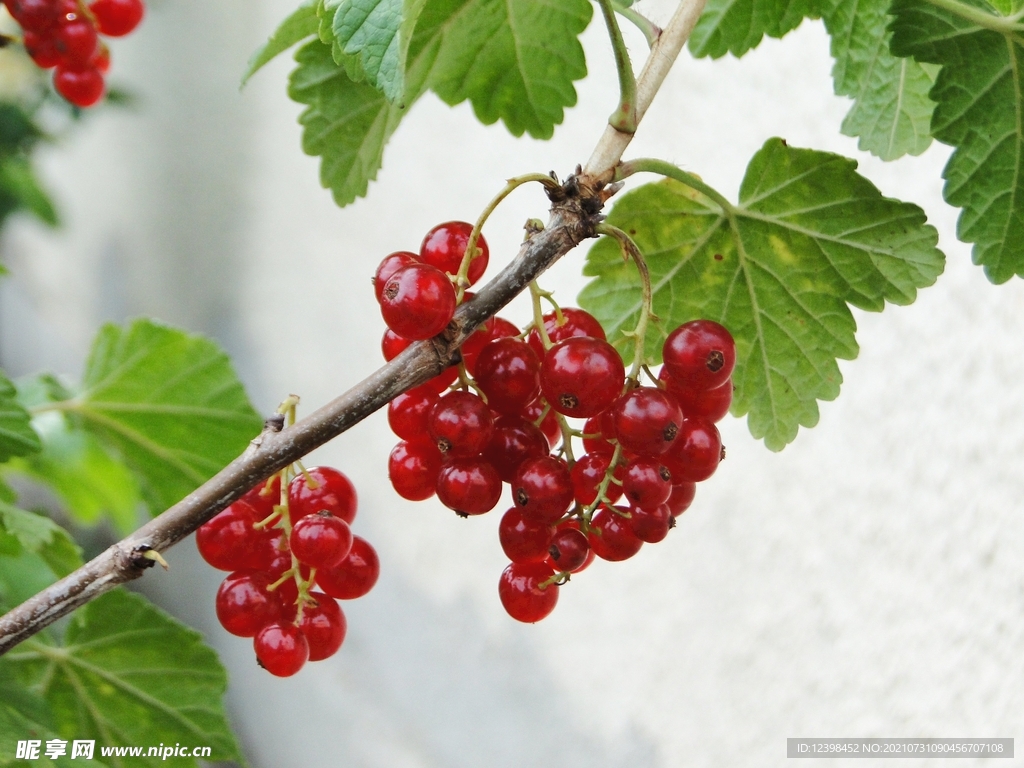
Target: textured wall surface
x,y
867,581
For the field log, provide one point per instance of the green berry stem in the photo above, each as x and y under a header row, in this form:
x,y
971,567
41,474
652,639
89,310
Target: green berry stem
x,y
639,334
623,119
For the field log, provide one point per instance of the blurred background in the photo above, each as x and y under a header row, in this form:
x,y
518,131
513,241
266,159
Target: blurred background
x,y
867,581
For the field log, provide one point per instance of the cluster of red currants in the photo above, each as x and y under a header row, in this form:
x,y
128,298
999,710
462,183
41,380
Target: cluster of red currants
x,y
278,548
507,420
64,34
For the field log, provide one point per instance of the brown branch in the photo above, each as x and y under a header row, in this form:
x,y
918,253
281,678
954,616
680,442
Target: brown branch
x,y
575,213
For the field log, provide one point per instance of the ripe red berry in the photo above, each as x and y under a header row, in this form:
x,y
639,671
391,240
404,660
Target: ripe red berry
x,y
647,482
42,48
418,302
651,524
581,376
524,541
570,551
320,540
413,468
681,497
263,499
322,488
548,425
575,322
391,264
82,88
243,604
281,649
324,626
514,441
355,575
710,404
229,542
468,486
696,452
521,594
588,474
508,372
598,431
611,536
34,15
445,244
460,424
117,17
647,421
76,42
409,413
542,489
700,354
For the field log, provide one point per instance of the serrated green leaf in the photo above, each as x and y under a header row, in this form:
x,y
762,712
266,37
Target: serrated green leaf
x,y
736,26
808,238
515,61
128,674
980,96
302,23
18,181
39,534
169,402
891,113
17,438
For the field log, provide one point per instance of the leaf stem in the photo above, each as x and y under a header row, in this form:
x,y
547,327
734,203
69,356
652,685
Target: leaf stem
x,y
1002,24
624,117
650,30
638,334
663,168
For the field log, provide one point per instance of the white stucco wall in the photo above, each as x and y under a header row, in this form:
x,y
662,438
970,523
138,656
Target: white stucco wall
x,y
867,581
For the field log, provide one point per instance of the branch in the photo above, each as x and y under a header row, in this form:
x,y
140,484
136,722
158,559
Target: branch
x,y
575,214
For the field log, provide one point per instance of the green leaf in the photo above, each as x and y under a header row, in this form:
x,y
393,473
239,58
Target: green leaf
x,y
808,238
40,535
17,438
891,113
128,674
301,24
736,26
169,402
515,60
19,183
980,95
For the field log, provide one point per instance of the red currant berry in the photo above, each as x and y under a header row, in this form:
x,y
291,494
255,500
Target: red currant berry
x,y
83,89
575,322
413,468
468,486
391,264
611,536
324,626
681,498
542,489
700,354
548,425
581,376
263,499
445,245
651,524
418,302
229,542
696,452
42,48
116,18
647,482
710,404
508,373
570,551
501,328
243,604
322,488
355,575
409,413
598,431
281,649
34,15
524,541
514,441
392,345
100,60
588,474
461,425
320,540
76,42
647,421
521,593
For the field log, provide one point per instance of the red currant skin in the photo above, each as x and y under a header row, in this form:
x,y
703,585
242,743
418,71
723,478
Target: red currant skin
x,y
696,453
413,468
281,649
409,412
598,430
42,49
524,541
263,499
647,421
710,404
575,322
391,264
324,626
243,604
521,594
33,15
507,371
320,540
461,425
355,575
514,441
581,376
611,536
569,550
651,524
700,354
647,482
548,425
76,42
418,302
681,497
445,245
588,474
116,18
542,489
322,488
468,486
229,542
82,88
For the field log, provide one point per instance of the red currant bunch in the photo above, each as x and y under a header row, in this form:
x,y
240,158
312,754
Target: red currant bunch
x,y
508,414
65,35
292,556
